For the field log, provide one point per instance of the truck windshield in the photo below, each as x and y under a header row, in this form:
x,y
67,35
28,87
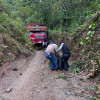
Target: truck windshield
x,y
36,32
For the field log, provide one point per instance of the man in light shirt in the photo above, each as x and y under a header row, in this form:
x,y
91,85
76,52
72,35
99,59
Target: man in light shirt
x,y
50,52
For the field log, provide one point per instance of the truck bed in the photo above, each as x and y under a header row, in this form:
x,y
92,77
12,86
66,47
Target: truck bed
x,y
36,27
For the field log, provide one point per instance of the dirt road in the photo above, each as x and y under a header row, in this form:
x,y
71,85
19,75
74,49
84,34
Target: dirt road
x,y
35,81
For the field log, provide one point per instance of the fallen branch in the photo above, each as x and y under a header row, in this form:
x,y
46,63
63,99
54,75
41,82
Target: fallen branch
x,y
94,71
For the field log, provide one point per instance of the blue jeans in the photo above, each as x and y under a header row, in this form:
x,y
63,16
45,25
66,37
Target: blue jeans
x,y
53,60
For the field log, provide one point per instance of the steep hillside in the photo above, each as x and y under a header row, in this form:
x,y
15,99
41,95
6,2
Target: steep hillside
x,y
13,36
86,44
10,48
85,47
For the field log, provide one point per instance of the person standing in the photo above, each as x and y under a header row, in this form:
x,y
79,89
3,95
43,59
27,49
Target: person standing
x,y
65,56
45,42
50,52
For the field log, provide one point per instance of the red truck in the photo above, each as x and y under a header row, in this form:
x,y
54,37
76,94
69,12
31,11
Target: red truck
x,y
37,32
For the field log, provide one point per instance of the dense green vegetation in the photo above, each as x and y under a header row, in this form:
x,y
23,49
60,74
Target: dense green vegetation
x,y
11,25
62,15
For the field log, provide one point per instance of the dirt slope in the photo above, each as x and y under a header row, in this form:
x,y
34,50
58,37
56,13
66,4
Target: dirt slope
x,y
35,81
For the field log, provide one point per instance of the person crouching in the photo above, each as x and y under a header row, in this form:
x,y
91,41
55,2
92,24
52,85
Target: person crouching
x,y
50,52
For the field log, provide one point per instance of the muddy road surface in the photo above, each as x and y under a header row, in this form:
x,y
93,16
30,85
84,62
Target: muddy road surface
x,y
33,80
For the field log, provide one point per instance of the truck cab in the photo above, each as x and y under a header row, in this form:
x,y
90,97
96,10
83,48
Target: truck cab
x,y
37,32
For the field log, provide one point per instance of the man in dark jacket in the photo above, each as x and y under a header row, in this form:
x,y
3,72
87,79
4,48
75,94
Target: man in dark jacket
x,y
65,56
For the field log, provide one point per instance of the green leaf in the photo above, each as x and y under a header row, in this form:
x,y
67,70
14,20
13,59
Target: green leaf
x,y
90,26
77,69
93,32
95,98
89,41
94,88
60,76
82,42
87,38
89,32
